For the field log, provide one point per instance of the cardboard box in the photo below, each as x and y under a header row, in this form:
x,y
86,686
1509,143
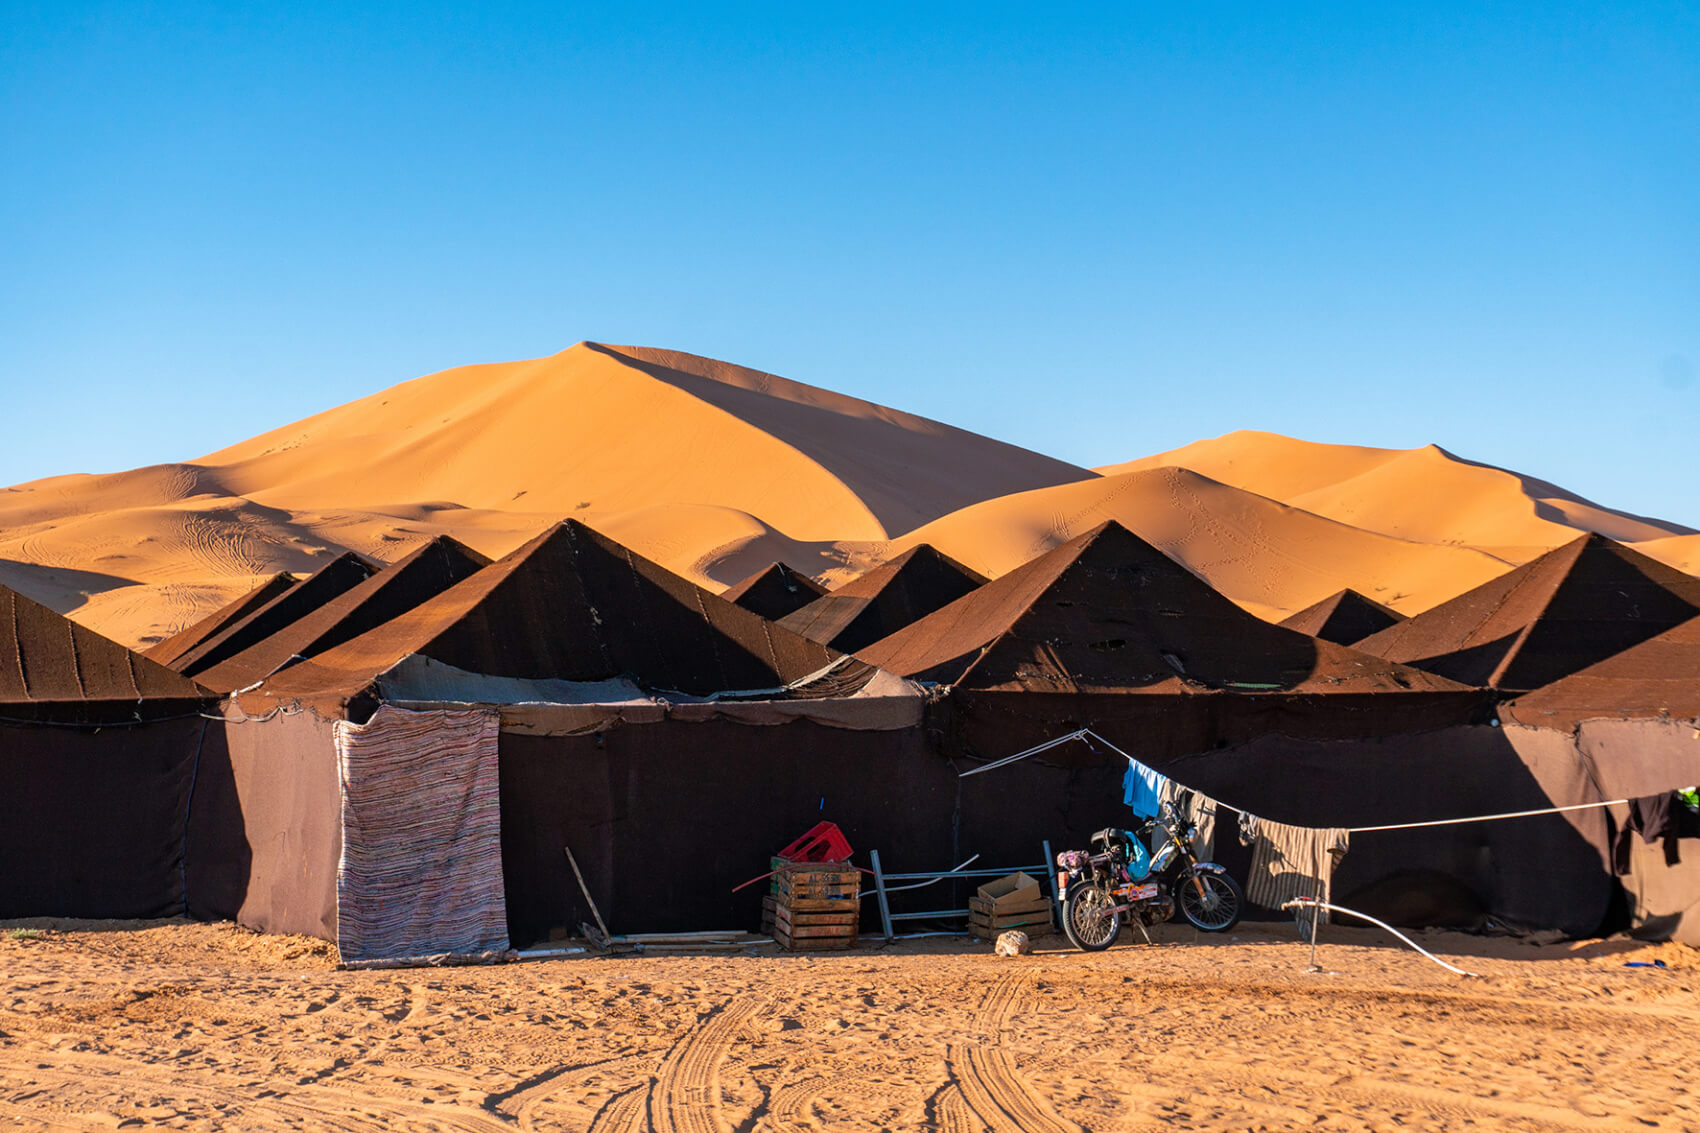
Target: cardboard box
x,y
1015,891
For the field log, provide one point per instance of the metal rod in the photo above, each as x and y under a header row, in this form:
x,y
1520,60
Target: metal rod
x,y
957,872
1315,916
879,890
1051,880
997,871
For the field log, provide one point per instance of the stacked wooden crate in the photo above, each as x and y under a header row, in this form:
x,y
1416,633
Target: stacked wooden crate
x,y
817,906
1010,902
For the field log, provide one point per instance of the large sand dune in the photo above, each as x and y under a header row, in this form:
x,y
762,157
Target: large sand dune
x,y
1422,494
1270,557
702,465
715,471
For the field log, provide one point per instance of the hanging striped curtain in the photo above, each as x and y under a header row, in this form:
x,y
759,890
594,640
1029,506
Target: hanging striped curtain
x,y
421,868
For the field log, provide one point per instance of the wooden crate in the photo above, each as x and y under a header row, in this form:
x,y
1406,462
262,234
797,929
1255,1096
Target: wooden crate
x,y
768,904
988,919
817,907
818,883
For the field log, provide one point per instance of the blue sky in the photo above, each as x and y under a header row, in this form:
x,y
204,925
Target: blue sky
x,y
1098,231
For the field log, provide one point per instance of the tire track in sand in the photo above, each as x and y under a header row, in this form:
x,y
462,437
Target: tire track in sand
x,y
685,1096
990,1085
523,1101
622,1113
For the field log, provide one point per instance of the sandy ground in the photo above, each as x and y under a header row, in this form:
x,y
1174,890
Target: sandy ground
x,y
209,1027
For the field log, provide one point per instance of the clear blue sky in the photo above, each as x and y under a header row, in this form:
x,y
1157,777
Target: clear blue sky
x,y
1097,231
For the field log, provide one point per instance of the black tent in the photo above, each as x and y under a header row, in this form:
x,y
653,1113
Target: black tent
x,y
98,752
1574,606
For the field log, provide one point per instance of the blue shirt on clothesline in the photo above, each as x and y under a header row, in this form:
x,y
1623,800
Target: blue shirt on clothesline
x,y
1140,789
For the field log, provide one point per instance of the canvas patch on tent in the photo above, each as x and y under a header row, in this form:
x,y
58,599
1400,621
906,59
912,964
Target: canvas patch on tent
x,y
421,867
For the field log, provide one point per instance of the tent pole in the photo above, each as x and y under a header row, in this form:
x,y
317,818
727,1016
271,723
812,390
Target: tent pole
x,y
594,911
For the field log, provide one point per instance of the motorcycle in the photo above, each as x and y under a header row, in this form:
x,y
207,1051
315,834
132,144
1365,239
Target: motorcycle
x,y
1120,877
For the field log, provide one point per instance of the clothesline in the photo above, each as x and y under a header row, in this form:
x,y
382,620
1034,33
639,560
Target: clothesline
x,y
1088,735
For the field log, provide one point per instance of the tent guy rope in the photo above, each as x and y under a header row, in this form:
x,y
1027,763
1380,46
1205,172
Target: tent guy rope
x,y
1088,736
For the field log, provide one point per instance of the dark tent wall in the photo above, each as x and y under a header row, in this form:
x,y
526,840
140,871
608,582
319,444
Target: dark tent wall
x,y
1634,759
265,830
665,819
92,820
1159,727
1546,871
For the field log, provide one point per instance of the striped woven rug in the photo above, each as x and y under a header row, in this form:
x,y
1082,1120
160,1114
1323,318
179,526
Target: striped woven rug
x,y
421,867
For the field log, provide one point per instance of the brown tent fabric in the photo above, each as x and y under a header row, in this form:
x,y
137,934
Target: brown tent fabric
x,y
92,820
336,577
1571,608
1107,612
1546,871
884,600
1345,618
51,668
98,750
774,591
665,819
265,825
426,572
572,605
168,651
1660,678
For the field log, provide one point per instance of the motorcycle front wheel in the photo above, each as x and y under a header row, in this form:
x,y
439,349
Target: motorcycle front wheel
x,y
1089,919
1211,901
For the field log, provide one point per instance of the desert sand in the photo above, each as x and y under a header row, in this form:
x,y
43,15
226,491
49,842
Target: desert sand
x,y
1423,494
1270,557
714,471
206,1026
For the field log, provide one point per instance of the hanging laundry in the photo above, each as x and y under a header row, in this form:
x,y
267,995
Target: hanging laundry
x,y
1291,861
1199,809
1663,817
1248,828
1142,789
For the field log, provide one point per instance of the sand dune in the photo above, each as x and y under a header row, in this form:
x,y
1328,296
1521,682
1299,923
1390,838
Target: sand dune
x,y
1679,551
596,431
1271,558
714,471
1425,495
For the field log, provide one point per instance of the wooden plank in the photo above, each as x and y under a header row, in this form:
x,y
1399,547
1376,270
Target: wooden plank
x,y
819,889
813,943
999,924
994,908
819,904
784,916
1009,922
802,931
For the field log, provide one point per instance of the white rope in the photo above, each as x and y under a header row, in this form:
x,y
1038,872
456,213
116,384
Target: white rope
x,y
1046,746
1089,735
1487,817
1313,903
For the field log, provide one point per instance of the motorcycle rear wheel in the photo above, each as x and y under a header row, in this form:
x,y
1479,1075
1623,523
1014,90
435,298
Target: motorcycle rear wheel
x,y
1217,908
1089,926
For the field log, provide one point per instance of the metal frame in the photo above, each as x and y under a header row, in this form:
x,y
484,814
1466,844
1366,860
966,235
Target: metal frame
x,y
1045,872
